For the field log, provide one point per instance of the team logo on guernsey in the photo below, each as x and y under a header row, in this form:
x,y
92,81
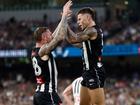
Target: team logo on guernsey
x,y
99,64
91,80
40,80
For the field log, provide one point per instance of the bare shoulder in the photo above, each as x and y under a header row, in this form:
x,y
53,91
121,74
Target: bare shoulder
x,y
92,32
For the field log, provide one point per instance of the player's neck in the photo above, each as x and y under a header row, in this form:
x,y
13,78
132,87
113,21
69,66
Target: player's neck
x,y
92,23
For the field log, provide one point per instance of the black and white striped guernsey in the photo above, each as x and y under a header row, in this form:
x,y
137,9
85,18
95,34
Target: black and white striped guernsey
x,y
45,72
92,51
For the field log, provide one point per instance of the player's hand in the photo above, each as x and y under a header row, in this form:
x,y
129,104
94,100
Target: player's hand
x,y
68,16
66,9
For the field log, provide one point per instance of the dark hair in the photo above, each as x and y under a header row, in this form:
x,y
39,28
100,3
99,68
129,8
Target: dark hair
x,y
38,32
88,10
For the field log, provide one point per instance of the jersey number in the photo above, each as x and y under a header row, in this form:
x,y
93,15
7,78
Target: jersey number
x,y
36,67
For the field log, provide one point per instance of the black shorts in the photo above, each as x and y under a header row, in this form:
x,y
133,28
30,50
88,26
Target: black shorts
x,y
94,78
42,98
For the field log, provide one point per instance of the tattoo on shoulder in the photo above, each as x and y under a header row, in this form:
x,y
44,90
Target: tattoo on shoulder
x,y
90,31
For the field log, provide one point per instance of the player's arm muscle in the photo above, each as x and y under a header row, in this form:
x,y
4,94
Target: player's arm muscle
x,y
89,33
61,30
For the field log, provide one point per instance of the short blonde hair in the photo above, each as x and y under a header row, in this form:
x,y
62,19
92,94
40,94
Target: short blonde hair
x,y
38,33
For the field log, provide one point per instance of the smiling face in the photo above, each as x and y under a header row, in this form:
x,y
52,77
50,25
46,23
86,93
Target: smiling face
x,y
83,20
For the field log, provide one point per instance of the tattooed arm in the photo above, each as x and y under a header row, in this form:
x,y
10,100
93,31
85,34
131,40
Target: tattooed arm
x,y
59,33
47,48
89,33
79,45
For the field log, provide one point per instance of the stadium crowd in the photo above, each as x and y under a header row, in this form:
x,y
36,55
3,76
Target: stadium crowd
x,y
118,91
19,34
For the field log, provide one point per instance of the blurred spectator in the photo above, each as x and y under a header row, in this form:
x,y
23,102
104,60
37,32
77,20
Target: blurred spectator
x,y
18,34
118,91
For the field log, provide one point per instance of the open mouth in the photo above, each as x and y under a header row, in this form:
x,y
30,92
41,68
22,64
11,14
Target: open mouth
x,y
80,26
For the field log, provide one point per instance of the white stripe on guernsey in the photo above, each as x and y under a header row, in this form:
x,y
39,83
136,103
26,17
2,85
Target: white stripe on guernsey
x,y
42,87
86,56
89,45
50,83
97,77
102,41
52,98
55,74
37,88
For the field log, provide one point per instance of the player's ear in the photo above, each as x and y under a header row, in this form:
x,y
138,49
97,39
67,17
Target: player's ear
x,y
43,35
88,17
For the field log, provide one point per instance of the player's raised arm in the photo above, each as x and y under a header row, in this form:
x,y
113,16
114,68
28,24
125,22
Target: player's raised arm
x,y
66,11
60,31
